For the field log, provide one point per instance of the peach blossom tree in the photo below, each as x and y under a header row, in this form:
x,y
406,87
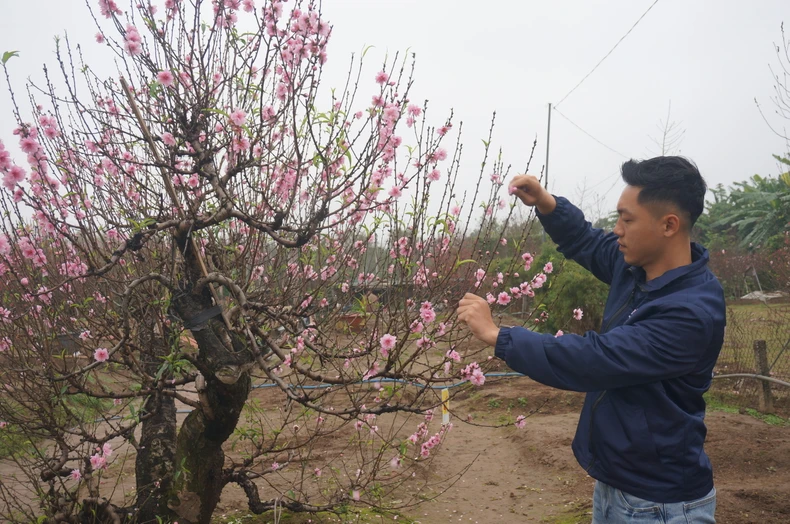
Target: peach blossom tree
x,y
206,221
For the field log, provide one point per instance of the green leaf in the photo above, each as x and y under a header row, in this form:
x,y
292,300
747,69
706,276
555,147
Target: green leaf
x,y
8,55
782,159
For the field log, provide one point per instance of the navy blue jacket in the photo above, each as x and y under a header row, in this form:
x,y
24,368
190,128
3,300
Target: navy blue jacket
x,y
641,429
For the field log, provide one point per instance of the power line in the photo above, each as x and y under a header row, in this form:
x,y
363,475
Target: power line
x,y
607,54
577,126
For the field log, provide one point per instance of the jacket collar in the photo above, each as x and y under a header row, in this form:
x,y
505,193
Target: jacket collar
x,y
699,259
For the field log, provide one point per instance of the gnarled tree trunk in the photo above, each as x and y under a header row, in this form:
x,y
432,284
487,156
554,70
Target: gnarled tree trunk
x,y
155,461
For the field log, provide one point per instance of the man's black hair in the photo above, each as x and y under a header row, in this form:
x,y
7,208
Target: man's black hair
x,y
668,179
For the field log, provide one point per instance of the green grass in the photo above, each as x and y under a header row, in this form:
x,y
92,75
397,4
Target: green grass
x,y
345,515
579,513
15,442
12,443
716,403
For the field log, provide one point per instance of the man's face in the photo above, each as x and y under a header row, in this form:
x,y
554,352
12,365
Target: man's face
x,y
640,228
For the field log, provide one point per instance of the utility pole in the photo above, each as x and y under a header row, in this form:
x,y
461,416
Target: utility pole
x,y
548,138
546,170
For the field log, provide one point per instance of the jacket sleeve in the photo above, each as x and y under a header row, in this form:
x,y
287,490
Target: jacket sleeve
x,y
666,344
577,240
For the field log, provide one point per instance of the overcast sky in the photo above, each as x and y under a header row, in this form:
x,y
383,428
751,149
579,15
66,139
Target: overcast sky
x,y
710,58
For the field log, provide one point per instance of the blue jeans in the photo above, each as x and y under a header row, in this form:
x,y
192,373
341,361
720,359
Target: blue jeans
x,y
613,506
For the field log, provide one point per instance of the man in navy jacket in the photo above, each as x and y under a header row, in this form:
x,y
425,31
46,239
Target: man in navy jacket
x,y
641,430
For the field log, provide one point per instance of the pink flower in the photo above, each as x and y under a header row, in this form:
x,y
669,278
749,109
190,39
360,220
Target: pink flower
x,y
424,342
539,280
15,175
106,449
490,298
477,378
75,474
559,334
395,192
455,210
503,299
317,472
108,8
99,38
387,342
275,466
133,47
249,6
521,421
238,117
3,424
101,355
548,268
382,77
355,494
427,313
527,258
395,462
480,274
98,462
168,139
578,313
29,145
434,175
165,78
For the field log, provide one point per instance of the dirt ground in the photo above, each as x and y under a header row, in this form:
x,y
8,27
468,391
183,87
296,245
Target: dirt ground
x,y
530,474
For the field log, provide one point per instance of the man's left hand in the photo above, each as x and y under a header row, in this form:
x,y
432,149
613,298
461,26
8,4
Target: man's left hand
x,y
476,314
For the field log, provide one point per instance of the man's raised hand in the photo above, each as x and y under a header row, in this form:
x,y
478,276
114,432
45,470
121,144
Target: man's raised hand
x,y
528,189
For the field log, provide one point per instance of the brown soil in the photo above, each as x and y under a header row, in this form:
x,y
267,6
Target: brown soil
x,y
530,475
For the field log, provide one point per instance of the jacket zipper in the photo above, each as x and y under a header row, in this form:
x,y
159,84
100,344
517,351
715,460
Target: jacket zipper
x,y
619,310
592,413
603,394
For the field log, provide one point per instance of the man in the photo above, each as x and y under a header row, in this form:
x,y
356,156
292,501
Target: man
x,y
641,431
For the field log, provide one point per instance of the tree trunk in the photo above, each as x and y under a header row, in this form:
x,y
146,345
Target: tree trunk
x,y
155,461
200,458
198,478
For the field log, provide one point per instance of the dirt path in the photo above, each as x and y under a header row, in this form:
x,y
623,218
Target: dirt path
x,y
530,475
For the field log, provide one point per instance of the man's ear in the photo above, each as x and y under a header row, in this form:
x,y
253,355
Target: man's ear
x,y
671,225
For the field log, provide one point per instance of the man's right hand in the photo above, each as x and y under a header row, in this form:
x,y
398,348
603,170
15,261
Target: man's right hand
x,y
528,189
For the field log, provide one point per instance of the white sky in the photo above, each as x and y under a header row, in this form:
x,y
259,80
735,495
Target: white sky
x,y
709,57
